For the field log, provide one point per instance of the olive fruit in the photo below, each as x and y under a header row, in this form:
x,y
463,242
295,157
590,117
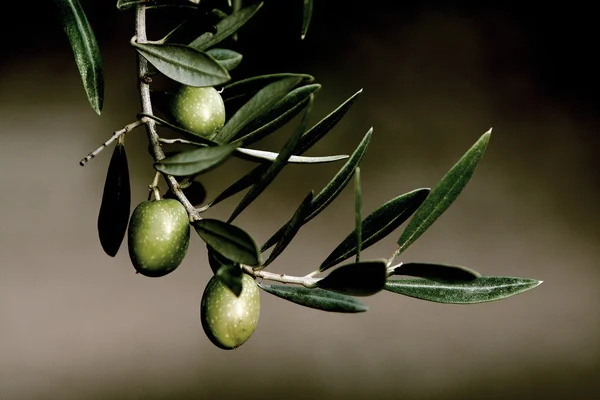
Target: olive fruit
x,y
200,110
229,321
158,236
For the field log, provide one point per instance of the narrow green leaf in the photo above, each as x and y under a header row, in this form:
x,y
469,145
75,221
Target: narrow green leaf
x,y
85,49
231,276
262,155
341,179
195,193
281,113
243,183
274,169
380,223
324,126
331,190
357,212
306,16
480,290
437,272
226,27
319,299
363,278
262,101
116,203
230,241
227,58
250,86
291,228
442,196
195,161
184,64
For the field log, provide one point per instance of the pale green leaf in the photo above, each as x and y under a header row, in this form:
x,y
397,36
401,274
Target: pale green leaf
x,y
195,161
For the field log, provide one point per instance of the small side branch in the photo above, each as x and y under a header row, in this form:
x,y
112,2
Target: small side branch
x,y
116,135
305,281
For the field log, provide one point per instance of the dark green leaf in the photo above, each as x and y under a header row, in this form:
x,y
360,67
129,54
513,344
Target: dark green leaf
x,y
227,58
281,113
357,213
442,196
195,193
230,241
216,260
480,290
243,183
274,169
306,16
380,223
437,272
341,179
324,126
231,276
85,49
262,101
249,86
226,27
262,155
184,64
358,279
116,203
319,299
195,161
291,228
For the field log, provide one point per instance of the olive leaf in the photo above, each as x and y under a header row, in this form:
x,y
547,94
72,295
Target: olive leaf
x,y
291,228
306,16
226,27
280,114
184,64
227,58
437,272
231,276
195,161
332,189
377,225
273,170
249,86
363,278
85,49
444,194
357,212
262,101
316,298
116,203
480,290
229,240
262,155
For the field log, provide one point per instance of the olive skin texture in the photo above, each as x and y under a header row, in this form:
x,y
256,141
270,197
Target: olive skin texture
x,y
229,321
158,236
200,110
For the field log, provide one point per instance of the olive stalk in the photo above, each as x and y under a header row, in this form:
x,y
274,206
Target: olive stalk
x,y
144,87
116,135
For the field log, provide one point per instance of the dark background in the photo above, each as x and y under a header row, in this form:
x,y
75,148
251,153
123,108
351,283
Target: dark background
x,y
75,323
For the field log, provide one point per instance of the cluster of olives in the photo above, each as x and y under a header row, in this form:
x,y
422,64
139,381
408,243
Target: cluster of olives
x,y
159,234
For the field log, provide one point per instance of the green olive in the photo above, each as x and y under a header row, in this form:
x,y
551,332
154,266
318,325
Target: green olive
x,y
200,110
229,321
158,236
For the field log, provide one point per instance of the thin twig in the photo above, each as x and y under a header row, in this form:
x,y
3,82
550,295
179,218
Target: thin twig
x,y
116,135
305,281
157,151
177,140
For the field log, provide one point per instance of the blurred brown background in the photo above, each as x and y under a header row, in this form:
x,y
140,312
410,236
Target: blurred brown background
x,y
77,324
